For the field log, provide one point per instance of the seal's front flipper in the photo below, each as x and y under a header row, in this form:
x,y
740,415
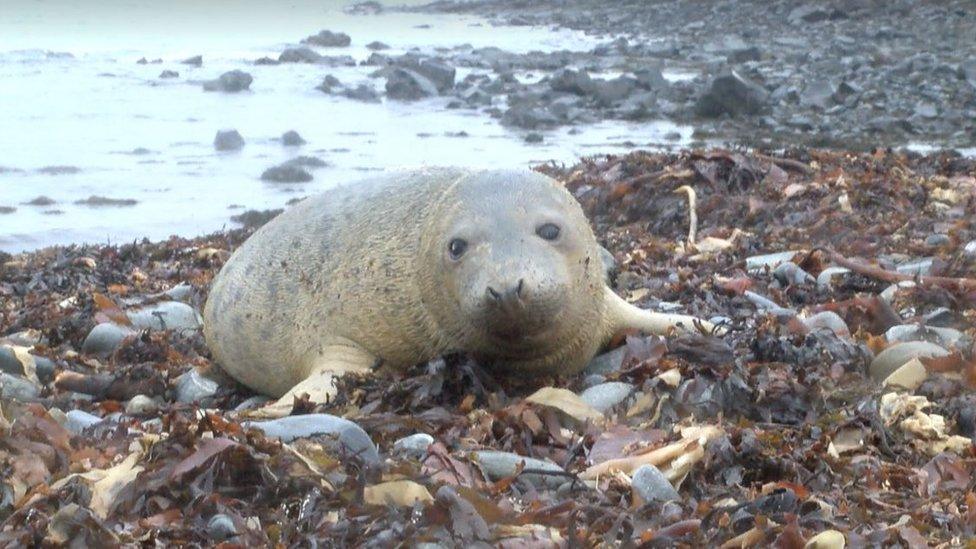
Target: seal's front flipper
x,y
623,315
320,385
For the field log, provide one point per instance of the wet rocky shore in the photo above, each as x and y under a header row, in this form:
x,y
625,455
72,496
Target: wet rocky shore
x,y
838,407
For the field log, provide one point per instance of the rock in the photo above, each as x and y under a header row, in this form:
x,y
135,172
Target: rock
x,y
826,275
937,240
300,55
228,140
141,405
608,92
970,248
169,74
18,388
744,55
348,437
828,539
266,61
44,368
376,45
196,61
438,72
253,402
605,396
329,84
362,92
9,363
414,446
733,94
291,139
651,78
192,387
407,85
533,137
105,338
221,527
946,337
499,465
909,375
529,117
328,39
166,315
255,218
571,81
607,362
897,355
286,174
827,320
789,274
759,262
306,162
77,421
230,82
100,201
808,13
920,267
651,485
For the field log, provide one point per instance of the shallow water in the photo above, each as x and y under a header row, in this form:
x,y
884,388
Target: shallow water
x,y
92,109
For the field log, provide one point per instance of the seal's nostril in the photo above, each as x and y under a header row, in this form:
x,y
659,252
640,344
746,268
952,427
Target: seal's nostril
x,y
495,296
518,289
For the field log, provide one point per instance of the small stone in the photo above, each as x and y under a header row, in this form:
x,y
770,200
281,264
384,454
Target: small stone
x,y
937,240
78,420
228,140
913,332
916,268
828,539
414,446
607,362
824,279
18,388
141,405
909,375
533,137
897,355
193,387
44,368
789,274
734,94
221,527
9,363
291,138
349,438
255,401
758,262
651,485
499,465
166,315
105,338
605,396
827,320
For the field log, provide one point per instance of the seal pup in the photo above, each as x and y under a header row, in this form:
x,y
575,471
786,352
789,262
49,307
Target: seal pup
x,y
413,264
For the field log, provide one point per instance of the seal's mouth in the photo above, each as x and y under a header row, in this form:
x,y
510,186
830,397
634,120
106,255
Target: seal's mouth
x,y
515,335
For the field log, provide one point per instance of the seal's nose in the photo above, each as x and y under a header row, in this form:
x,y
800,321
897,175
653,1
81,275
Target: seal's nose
x,y
508,299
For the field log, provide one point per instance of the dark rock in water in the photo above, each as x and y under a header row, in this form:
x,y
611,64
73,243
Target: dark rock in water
x,y
338,61
377,60
376,45
529,117
306,162
286,174
346,437
533,137
4,169
329,39
369,7
228,140
7,210
608,92
142,61
745,55
59,170
300,55
329,84
40,201
651,78
96,201
169,74
438,72
571,81
266,61
811,13
230,82
733,94
362,92
407,85
196,61
291,139
255,218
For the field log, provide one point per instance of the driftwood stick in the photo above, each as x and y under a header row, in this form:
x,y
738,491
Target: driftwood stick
x,y
949,283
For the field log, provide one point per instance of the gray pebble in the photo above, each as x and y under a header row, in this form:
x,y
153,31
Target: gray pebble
x,y
228,140
78,421
141,405
825,278
651,485
166,315
18,388
789,273
251,403
913,332
607,395
44,367
916,268
193,387
607,362
499,465
937,240
104,339
9,363
350,438
221,527
758,262
897,355
180,292
827,320
414,446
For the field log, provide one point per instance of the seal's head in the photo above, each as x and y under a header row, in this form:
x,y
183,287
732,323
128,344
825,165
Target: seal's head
x,y
515,268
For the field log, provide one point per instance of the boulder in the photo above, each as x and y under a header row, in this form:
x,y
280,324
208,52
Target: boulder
x,y
228,140
230,82
300,55
328,39
407,85
733,94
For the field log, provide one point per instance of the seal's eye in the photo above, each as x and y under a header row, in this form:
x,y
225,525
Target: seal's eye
x,y
457,247
548,231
